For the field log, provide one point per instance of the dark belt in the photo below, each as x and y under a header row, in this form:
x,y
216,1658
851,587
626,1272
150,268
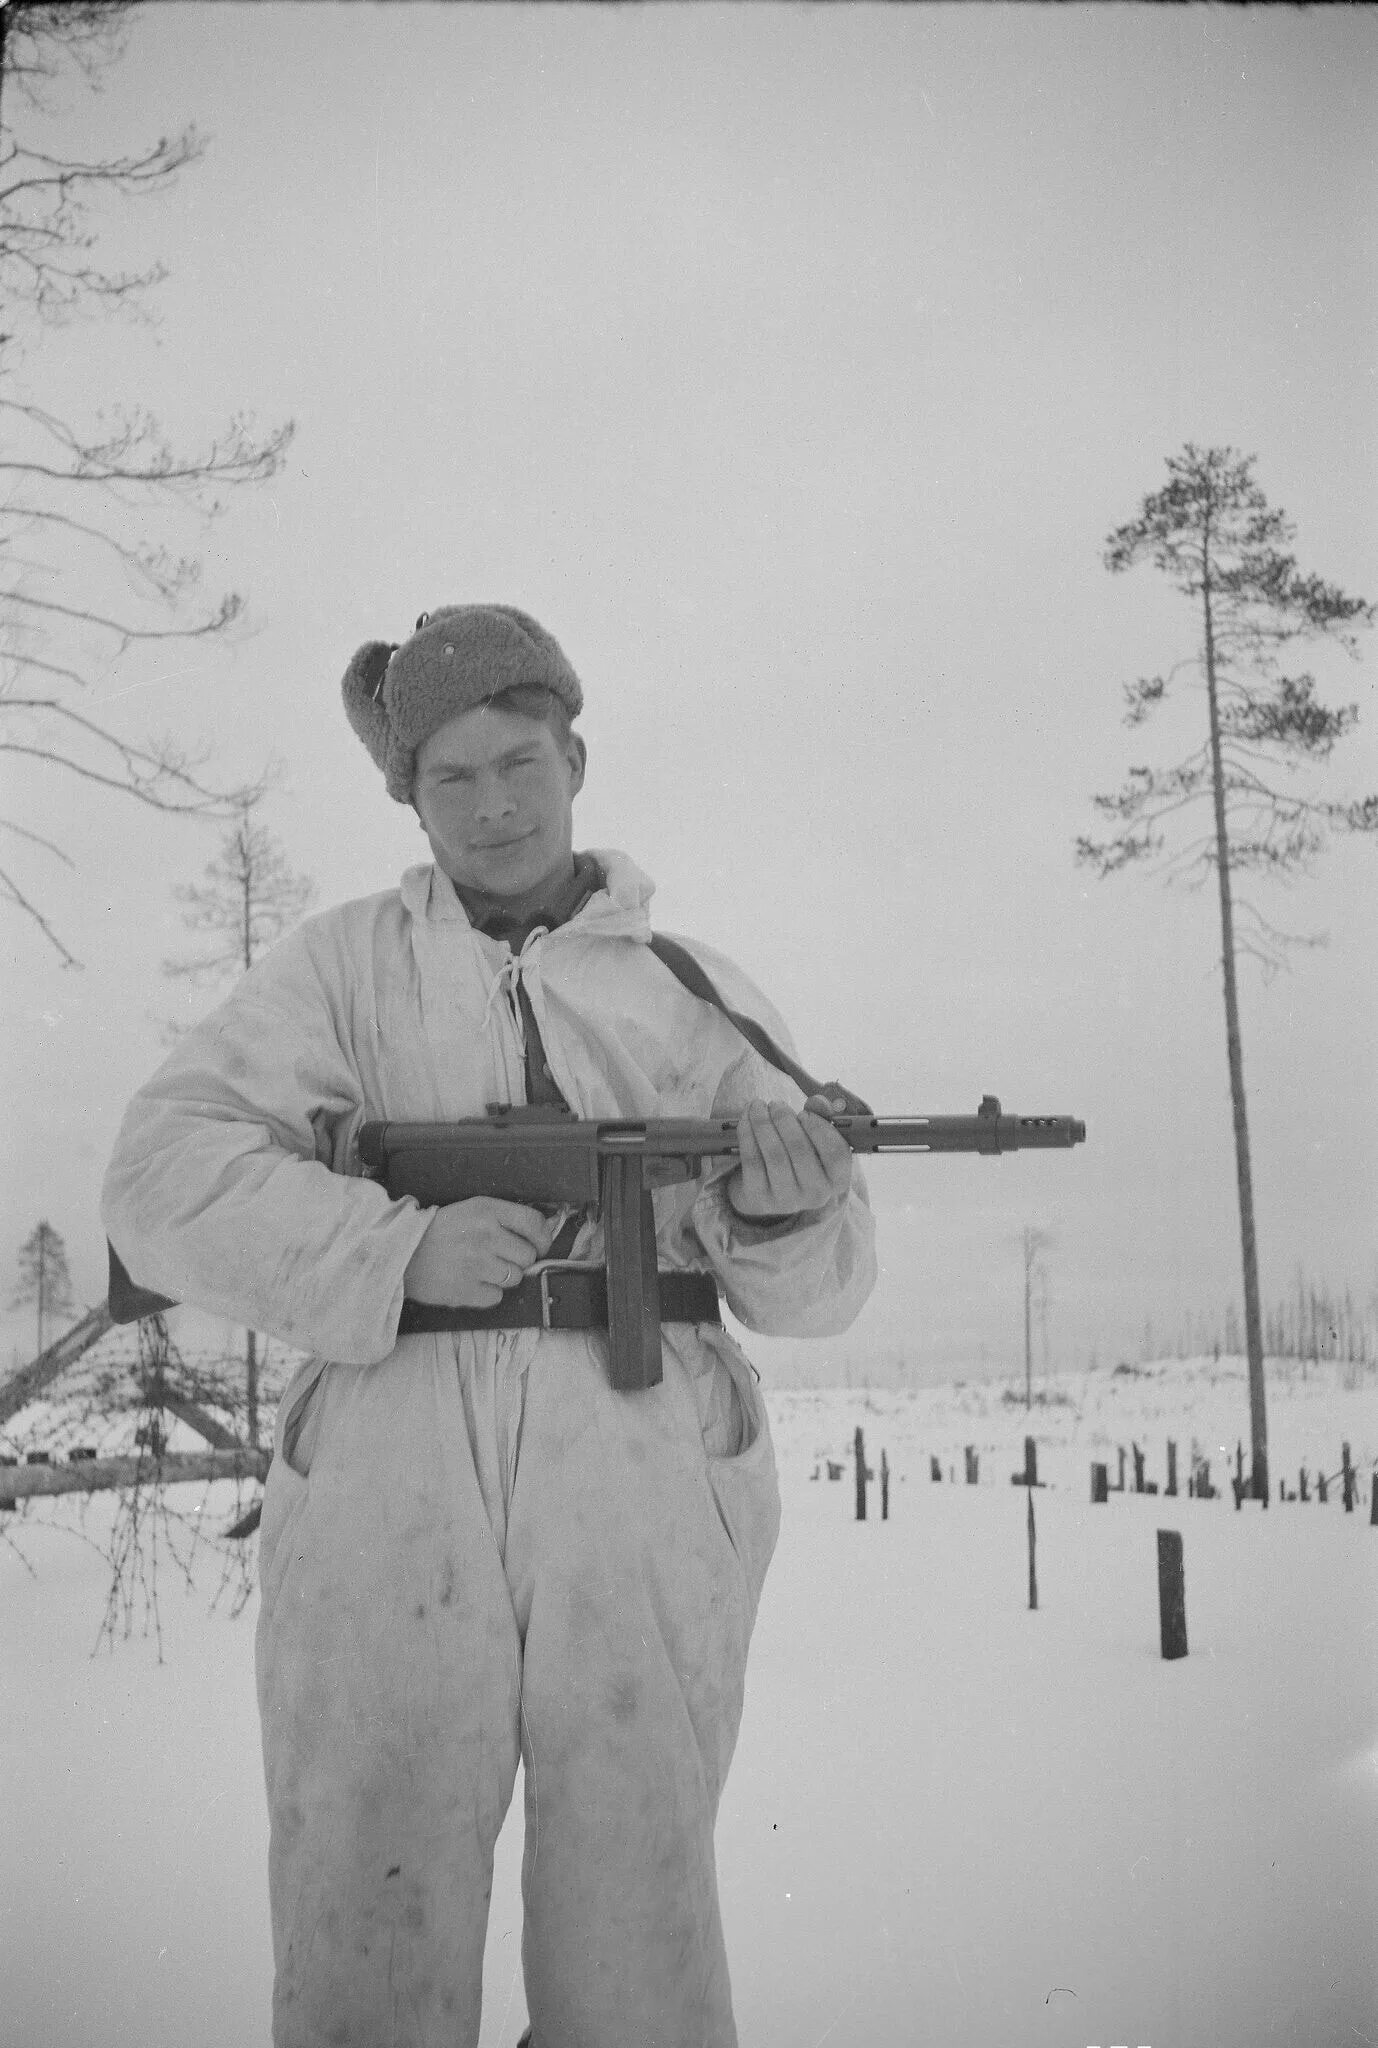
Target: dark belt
x,y
564,1298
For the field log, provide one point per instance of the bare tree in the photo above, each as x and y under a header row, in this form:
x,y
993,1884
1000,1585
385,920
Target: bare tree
x,y
248,900
43,1277
1212,532
92,514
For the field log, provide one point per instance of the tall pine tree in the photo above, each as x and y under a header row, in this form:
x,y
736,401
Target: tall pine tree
x,y
1212,532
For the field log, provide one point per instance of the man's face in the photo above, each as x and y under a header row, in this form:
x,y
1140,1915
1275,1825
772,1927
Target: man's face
x,y
494,792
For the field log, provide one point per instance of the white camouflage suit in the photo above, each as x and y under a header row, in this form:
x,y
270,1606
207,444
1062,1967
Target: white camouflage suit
x,y
472,1548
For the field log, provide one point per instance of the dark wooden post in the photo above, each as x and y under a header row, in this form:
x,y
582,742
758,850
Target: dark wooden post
x,y
1238,1476
1171,1466
1029,1476
1120,1487
1033,1575
1100,1483
1138,1468
884,1487
1347,1475
973,1465
1373,1501
1303,1490
1172,1594
935,1470
860,1475
1322,1486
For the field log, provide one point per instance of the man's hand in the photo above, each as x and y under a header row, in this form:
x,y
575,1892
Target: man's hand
x,y
789,1163
474,1251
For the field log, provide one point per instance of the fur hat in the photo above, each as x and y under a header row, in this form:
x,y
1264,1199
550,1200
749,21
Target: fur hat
x,y
396,697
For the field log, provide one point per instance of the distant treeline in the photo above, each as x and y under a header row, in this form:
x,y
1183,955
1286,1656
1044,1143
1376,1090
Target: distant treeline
x,y
1311,1324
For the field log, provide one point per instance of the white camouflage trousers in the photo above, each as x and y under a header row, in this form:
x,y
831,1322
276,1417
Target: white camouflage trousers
x,y
477,1551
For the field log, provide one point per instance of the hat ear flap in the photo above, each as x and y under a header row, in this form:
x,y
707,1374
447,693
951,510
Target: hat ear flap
x,y
363,696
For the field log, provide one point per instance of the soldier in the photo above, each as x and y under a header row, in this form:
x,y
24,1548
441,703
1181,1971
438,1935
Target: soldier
x,y
473,1548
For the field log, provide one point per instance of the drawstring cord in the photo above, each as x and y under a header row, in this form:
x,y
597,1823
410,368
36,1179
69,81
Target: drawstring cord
x,y
504,984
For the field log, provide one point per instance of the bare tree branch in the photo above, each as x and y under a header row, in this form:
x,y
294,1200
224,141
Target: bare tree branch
x,y
8,825
78,499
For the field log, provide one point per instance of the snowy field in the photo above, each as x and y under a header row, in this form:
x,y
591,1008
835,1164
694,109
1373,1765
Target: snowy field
x,y
950,1820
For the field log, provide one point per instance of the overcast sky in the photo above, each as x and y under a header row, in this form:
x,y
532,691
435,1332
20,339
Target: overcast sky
x,y
791,365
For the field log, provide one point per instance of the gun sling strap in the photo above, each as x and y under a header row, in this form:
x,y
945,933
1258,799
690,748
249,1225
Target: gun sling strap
x,y
687,971
554,1304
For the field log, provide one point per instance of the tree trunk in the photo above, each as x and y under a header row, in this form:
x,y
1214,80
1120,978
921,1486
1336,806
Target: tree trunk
x,y
1253,1322
98,1475
42,1288
1028,1343
28,1383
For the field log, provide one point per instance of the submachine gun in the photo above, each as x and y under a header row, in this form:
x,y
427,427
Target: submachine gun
x,y
543,1155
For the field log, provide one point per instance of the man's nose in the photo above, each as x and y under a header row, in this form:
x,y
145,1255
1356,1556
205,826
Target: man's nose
x,y
493,798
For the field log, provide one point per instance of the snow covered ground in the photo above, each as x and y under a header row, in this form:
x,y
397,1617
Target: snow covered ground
x,y
950,1820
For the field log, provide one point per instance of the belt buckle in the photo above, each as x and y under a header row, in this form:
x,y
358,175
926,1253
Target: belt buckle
x,y
543,1276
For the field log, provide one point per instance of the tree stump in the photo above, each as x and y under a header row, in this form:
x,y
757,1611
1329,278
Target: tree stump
x,y
1029,1476
1172,1594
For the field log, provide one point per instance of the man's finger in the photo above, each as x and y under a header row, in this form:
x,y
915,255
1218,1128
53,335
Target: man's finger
x,y
527,1223
820,1159
774,1143
514,1249
805,1135
748,1146
798,1147
832,1148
